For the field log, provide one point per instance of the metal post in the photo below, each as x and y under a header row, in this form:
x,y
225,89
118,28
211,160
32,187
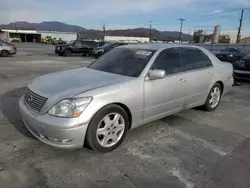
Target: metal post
x,y
239,30
150,31
181,29
104,31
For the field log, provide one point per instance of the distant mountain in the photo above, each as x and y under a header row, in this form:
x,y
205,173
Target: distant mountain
x,y
96,34
46,26
138,32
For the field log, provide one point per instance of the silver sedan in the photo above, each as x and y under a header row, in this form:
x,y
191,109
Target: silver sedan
x,y
125,88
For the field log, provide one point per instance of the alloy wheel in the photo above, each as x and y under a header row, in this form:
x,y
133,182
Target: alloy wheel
x,y
110,130
214,97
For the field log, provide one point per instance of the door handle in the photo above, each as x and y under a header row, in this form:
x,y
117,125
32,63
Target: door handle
x,y
209,74
182,81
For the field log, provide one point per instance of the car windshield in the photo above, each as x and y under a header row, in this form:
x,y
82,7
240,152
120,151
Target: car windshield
x,y
123,61
247,57
70,42
106,45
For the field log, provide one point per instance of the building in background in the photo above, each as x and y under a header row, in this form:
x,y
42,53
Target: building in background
x,y
215,37
216,34
35,36
245,40
224,39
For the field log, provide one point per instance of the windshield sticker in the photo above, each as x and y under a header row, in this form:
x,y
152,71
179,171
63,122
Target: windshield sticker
x,y
143,53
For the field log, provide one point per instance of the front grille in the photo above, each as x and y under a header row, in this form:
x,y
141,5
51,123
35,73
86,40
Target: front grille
x,y
241,75
34,100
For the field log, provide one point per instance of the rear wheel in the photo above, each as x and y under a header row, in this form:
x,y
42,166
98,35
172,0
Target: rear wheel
x,y
5,53
214,97
107,129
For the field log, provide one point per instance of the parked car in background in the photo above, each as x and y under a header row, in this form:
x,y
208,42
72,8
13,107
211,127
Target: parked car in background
x,y
106,47
127,87
231,55
73,47
7,49
242,68
231,50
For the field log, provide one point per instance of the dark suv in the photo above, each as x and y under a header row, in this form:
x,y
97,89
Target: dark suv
x,y
105,48
73,47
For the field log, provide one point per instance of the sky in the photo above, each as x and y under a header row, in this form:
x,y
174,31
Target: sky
x,y
124,14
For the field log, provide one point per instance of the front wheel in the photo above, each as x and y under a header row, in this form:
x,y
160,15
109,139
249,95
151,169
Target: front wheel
x,y
67,53
107,129
214,97
5,53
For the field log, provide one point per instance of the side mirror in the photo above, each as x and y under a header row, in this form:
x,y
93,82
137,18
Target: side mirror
x,y
156,74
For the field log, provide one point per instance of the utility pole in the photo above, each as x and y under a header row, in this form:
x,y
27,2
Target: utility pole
x,y
182,20
150,31
240,26
104,31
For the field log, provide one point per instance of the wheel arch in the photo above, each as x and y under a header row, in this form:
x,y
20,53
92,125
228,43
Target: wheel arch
x,y
121,105
221,85
127,110
4,51
69,49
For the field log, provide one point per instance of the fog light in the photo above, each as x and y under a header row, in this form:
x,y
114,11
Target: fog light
x,y
61,140
54,139
67,140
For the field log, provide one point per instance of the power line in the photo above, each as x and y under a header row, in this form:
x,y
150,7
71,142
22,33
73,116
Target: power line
x,y
214,14
210,19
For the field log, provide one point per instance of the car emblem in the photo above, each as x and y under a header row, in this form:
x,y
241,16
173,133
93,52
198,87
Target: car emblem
x,y
30,98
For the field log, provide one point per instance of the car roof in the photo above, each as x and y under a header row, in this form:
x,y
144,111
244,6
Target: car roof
x,y
158,46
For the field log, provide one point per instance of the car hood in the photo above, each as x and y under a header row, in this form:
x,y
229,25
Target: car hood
x,y
64,45
68,84
99,48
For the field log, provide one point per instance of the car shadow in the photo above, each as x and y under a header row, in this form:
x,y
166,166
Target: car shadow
x,y
9,107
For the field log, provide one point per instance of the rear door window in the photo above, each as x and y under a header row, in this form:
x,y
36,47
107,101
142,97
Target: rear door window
x,y
78,44
194,58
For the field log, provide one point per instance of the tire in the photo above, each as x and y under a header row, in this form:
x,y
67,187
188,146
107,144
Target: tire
x,y
67,53
5,53
209,106
99,142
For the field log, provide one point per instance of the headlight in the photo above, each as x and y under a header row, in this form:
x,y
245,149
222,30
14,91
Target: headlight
x,y
230,55
101,50
70,107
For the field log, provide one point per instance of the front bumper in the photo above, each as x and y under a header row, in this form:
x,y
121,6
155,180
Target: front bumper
x,y
45,128
97,54
242,75
13,51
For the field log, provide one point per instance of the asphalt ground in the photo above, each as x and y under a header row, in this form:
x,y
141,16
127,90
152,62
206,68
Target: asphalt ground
x,y
192,149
